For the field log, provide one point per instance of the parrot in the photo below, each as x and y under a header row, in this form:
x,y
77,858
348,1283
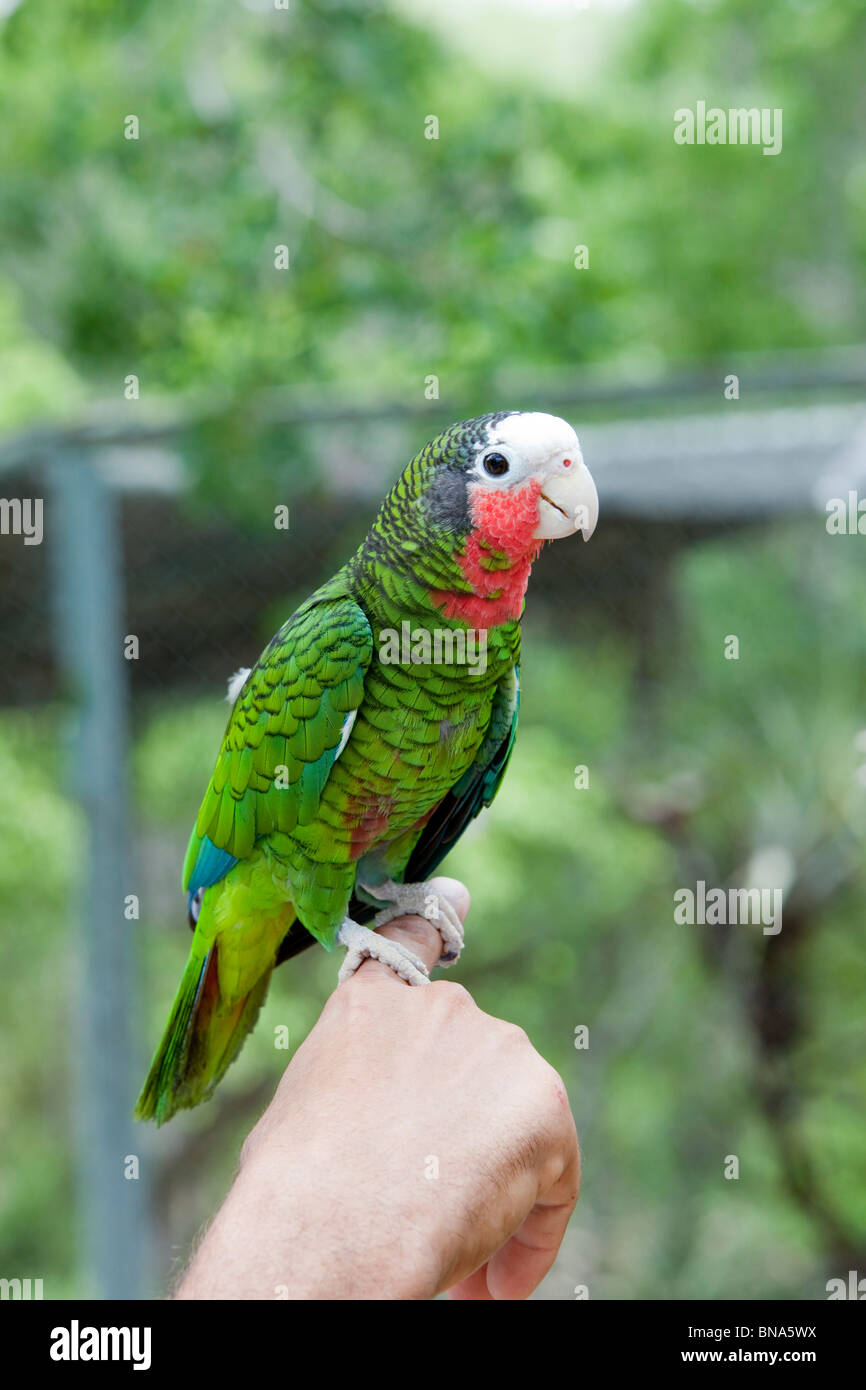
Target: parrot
x,y
365,740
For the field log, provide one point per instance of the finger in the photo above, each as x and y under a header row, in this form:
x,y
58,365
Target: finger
x,y
519,1267
417,933
474,1289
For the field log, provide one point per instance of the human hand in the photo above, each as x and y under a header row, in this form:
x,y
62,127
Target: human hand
x,y
415,1144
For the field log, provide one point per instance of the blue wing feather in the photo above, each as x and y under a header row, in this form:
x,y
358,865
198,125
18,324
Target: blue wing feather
x,y
211,864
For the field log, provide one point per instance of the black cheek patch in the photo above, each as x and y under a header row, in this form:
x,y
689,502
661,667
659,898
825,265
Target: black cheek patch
x,y
447,501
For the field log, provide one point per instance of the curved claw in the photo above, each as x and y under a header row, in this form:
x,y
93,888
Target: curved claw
x,y
361,944
420,900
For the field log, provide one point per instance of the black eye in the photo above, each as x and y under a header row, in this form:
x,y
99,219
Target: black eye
x,y
495,465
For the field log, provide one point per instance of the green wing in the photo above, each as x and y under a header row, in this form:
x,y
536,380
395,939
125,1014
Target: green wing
x,y
284,735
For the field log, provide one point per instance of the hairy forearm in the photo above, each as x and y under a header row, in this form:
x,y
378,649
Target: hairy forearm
x,y
292,1229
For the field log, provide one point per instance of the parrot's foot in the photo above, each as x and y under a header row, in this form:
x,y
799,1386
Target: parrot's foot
x,y
420,900
361,943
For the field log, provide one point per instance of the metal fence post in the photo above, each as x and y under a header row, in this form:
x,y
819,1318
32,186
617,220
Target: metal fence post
x,y
83,530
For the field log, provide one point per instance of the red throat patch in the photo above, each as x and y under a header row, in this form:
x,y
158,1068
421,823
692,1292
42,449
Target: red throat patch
x,y
504,521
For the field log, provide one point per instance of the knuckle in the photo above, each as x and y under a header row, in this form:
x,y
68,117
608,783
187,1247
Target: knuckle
x,y
557,1088
556,1097
454,995
515,1035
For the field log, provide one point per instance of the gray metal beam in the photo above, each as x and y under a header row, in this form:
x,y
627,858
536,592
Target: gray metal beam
x,y
83,535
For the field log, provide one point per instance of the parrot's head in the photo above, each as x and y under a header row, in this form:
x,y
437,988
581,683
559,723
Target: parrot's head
x,y
487,494
516,478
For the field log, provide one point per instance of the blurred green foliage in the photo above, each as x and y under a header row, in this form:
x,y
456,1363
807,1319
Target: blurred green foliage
x,y
411,256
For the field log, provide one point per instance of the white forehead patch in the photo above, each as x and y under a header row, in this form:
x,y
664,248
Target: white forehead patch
x,y
534,436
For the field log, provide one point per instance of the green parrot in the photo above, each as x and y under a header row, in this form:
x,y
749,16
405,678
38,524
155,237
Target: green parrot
x,y
377,723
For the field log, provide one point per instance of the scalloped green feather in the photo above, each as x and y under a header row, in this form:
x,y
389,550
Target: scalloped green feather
x,y
287,723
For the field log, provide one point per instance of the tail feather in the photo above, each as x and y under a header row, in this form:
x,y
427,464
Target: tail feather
x,y
203,1036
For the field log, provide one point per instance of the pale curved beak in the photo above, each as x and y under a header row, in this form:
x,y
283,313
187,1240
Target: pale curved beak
x,y
568,503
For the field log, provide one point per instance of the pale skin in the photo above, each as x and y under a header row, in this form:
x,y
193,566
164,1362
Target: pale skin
x,y
336,1195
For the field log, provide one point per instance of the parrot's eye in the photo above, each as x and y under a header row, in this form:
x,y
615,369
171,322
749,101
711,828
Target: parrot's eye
x,y
495,465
